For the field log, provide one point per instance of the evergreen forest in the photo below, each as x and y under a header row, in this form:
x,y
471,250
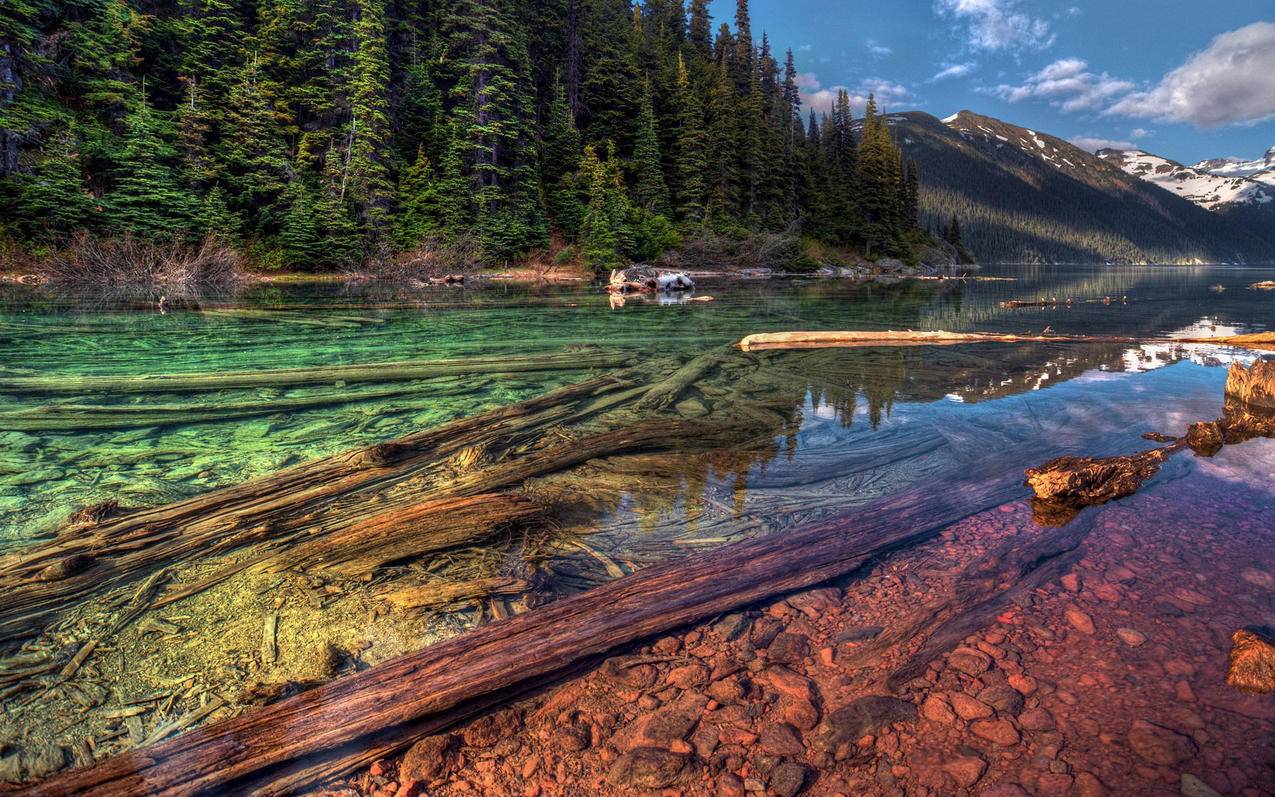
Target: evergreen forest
x,y
316,134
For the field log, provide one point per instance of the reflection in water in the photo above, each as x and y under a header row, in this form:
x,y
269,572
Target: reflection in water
x,y
757,444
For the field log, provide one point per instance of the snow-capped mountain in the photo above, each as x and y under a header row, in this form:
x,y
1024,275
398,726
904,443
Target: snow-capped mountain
x,y
1025,196
1213,190
1262,169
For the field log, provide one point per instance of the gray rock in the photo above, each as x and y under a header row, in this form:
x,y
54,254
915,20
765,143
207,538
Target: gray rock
x,y
647,768
867,715
1194,787
788,779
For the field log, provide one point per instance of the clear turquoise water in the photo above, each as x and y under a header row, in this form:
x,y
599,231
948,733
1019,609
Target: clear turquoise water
x,y
1049,398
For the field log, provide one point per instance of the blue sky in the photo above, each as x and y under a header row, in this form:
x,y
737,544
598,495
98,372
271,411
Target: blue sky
x,y
1182,78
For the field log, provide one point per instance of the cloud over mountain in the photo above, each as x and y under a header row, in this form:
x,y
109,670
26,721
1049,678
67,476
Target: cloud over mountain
x,y
1232,81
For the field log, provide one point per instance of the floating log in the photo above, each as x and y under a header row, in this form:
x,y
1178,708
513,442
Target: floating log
x,y
407,371
281,748
847,340
1257,340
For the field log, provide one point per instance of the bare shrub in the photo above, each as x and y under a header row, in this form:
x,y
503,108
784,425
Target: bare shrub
x,y
432,259
132,261
713,251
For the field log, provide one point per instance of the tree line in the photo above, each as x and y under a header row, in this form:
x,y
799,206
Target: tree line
x,y
317,133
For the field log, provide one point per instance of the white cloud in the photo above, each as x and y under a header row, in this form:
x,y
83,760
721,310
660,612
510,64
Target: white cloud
x,y
815,96
996,25
879,50
1067,84
954,71
1095,143
1139,132
1230,82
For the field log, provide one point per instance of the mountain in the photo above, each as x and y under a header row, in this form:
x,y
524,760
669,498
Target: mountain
x,y
1262,169
1211,190
1025,196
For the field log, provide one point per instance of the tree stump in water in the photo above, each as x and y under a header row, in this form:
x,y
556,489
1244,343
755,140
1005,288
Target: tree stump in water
x,y
1252,663
1066,485
1254,386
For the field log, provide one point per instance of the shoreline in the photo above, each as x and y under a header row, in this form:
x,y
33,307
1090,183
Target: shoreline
x,y
794,695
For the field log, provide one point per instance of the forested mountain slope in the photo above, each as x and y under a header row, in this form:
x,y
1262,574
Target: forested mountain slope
x,y
1024,196
316,133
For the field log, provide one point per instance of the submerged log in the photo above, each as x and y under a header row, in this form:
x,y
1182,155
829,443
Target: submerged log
x,y
835,340
325,375
281,748
85,417
38,582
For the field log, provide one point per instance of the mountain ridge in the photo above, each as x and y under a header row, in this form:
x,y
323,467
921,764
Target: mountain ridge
x,y
1023,195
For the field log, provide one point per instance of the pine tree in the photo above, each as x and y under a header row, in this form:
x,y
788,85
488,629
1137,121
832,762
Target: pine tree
x,y
601,245
420,213
53,196
146,197
369,187
691,145
299,230
701,29
649,189
559,161
335,214
213,218
254,158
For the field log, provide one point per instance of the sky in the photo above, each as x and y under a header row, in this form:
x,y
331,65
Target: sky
x,y
1184,79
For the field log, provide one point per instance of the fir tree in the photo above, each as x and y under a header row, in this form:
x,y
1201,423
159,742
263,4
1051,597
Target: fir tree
x,y
146,198
601,244
370,188
649,189
253,151
691,146
54,192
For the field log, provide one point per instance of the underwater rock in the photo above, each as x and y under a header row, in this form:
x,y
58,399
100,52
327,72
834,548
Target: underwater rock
x,y
1252,663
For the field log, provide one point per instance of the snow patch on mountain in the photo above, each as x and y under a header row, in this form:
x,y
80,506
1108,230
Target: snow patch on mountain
x,y
1207,189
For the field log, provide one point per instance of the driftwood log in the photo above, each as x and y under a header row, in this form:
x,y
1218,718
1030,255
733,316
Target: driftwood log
x,y
1066,485
825,340
282,747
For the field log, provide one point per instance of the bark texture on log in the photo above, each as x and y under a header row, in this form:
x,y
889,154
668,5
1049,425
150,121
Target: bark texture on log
x,y
389,705
822,340
1066,485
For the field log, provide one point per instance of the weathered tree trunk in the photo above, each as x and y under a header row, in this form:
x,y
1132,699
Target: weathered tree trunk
x,y
325,375
281,747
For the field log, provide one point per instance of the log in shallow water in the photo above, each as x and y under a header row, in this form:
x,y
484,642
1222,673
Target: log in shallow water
x,y
412,370
280,748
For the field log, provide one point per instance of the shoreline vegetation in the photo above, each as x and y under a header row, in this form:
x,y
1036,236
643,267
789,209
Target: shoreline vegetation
x,y
356,136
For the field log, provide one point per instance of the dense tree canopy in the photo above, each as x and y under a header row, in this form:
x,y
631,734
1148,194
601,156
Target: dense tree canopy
x,y
318,132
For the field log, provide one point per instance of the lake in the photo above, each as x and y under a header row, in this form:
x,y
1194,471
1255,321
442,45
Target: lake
x,y
118,403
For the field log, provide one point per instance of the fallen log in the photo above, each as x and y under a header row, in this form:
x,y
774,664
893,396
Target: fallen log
x,y
326,375
769,341
105,552
281,748
87,417
1258,340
